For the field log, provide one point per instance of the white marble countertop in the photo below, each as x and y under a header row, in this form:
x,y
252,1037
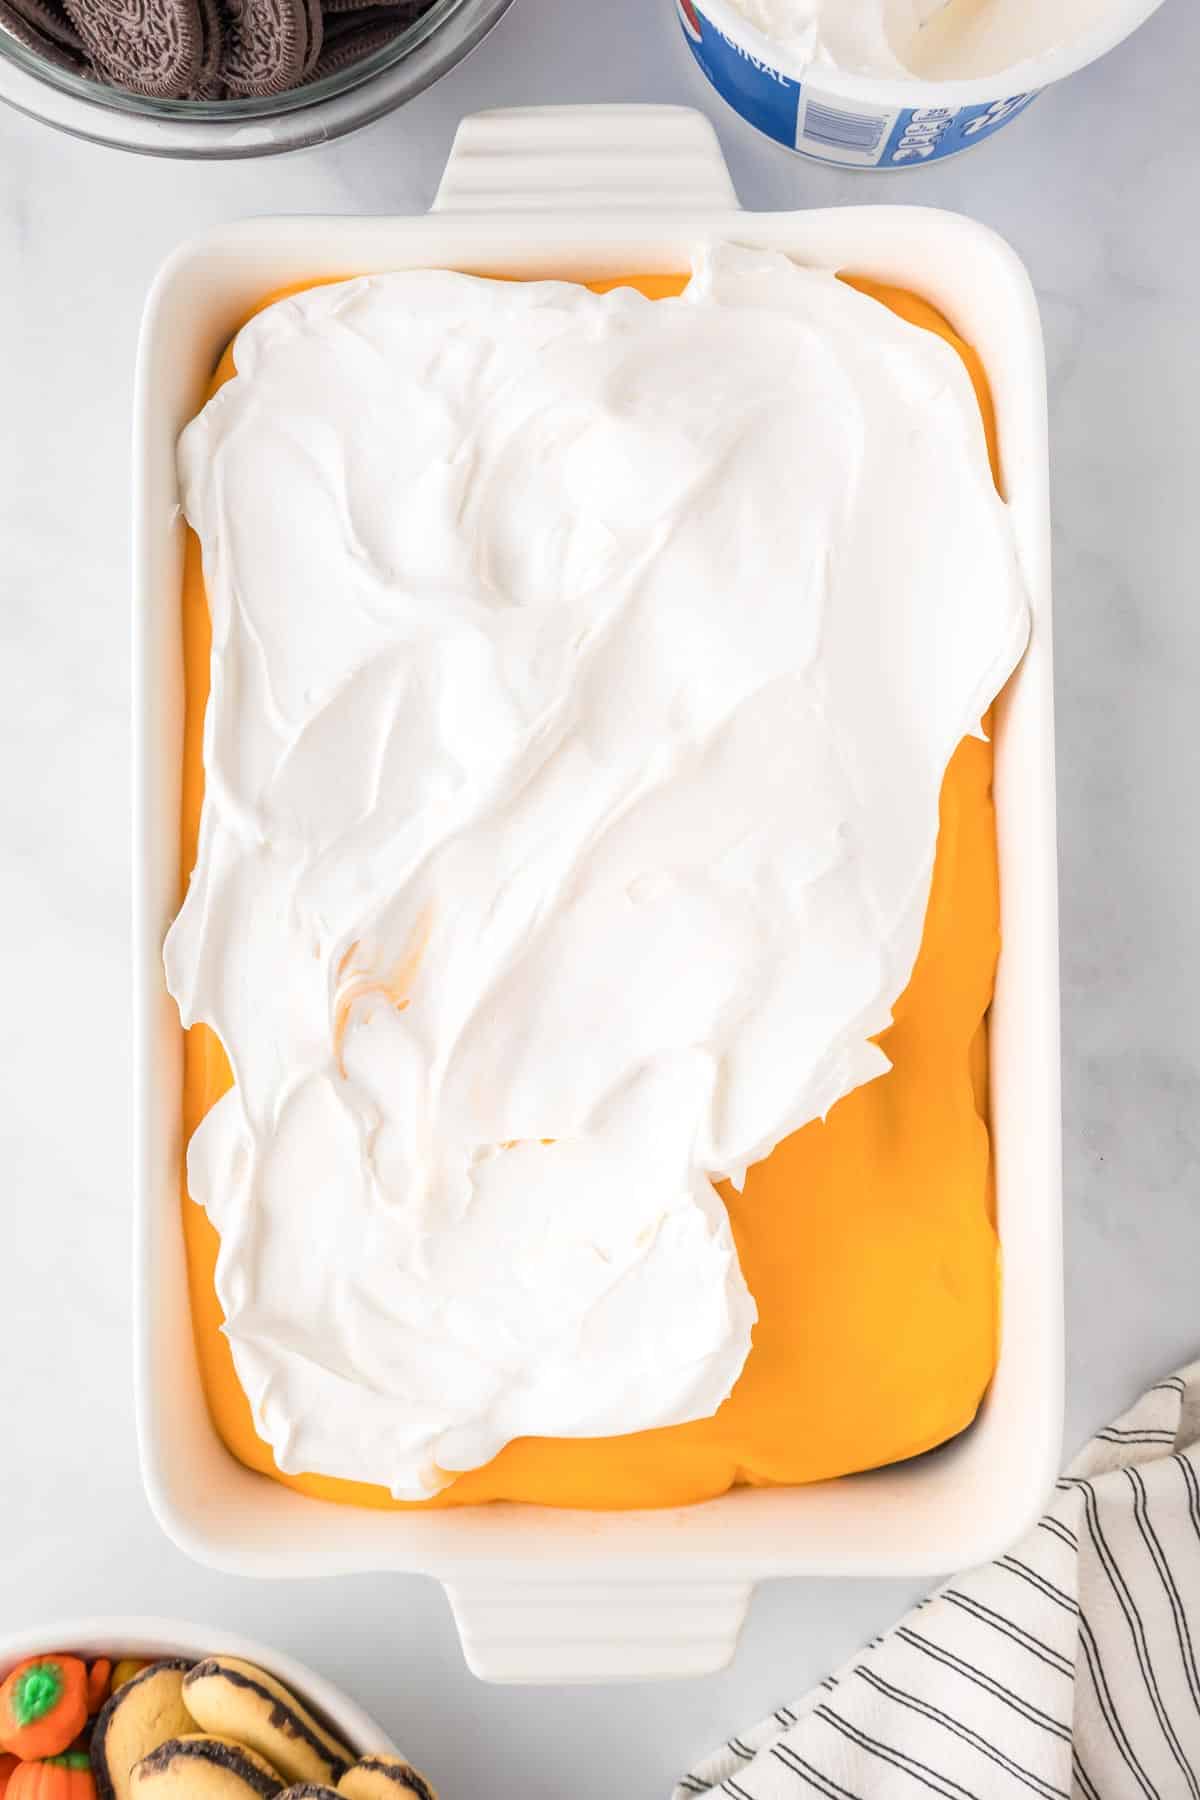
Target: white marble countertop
x,y
1097,188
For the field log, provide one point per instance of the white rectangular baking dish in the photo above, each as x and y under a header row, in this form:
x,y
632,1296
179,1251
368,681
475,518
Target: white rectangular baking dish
x,y
538,1594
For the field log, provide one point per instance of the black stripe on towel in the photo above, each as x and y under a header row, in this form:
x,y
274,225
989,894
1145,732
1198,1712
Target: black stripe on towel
x,y
1083,1780
1193,1487
1059,1530
1104,1699
1137,1631
1183,1636
888,1753
1026,1708
824,1784
1012,1565
935,1716
1111,1435
1000,1622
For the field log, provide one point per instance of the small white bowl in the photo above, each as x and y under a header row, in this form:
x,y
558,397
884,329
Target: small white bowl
x,y
154,1639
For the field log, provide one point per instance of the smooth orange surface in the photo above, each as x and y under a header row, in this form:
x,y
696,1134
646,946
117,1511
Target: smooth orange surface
x,y
867,1240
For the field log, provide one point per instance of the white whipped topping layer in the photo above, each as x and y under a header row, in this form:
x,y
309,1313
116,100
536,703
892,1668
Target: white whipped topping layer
x,y
938,40
584,673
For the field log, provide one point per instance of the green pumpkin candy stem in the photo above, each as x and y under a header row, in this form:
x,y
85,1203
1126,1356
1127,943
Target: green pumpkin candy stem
x,y
38,1692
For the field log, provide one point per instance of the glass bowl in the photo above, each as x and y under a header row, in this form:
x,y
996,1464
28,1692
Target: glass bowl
x,y
216,129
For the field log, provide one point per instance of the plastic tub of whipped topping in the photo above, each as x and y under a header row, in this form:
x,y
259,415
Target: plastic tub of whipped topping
x,y
539,1594
824,109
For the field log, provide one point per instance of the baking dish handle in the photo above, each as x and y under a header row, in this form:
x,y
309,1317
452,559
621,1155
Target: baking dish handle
x,y
586,159
563,1631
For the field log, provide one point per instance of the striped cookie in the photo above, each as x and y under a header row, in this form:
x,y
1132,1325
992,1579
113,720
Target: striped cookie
x,y
384,1778
204,1768
141,1715
231,1698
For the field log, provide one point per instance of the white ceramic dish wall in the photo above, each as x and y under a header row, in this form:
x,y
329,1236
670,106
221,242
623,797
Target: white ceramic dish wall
x,y
542,1595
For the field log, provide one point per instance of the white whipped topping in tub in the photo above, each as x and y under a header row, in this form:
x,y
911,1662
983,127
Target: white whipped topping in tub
x,y
938,40
584,674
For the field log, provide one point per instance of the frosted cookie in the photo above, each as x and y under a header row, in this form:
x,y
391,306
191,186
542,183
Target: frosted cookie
x,y
384,1778
204,1768
231,1698
142,1714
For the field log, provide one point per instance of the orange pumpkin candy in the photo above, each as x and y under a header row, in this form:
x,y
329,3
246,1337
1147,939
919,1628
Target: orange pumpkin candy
x,y
57,1778
7,1766
43,1706
99,1684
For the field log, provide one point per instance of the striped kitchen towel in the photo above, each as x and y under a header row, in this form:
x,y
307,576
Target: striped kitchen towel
x,y
1068,1669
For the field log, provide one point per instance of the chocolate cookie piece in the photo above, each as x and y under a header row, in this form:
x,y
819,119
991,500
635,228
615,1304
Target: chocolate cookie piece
x,y
210,83
18,26
48,18
151,47
344,47
316,40
266,46
404,12
343,24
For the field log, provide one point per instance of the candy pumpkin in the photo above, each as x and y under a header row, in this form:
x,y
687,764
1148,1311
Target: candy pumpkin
x,y
99,1682
7,1765
43,1706
57,1778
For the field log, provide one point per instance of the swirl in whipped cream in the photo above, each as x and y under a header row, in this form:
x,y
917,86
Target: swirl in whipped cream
x,y
584,673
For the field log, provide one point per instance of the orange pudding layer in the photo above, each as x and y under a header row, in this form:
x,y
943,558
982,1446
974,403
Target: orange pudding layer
x,y
867,1240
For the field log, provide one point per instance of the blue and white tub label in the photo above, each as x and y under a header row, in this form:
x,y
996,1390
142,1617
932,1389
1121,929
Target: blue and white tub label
x,y
803,118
